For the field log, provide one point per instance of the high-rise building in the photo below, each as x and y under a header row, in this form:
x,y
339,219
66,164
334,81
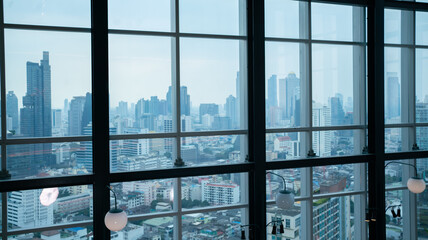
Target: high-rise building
x,y
56,118
25,210
122,109
184,101
36,114
87,111
321,116
392,96
12,110
272,95
337,113
220,193
231,111
292,87
207,108
75,115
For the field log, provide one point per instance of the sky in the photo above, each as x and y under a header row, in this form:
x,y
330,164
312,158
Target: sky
x,y
142,66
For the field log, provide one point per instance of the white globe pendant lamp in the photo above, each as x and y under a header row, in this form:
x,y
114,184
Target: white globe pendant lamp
x,y
115,219
416,185
284,198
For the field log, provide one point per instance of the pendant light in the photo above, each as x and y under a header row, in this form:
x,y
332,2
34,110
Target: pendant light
x,y
115,219
284,198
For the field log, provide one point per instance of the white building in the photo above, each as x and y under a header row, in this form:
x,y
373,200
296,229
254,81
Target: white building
x,y
220,193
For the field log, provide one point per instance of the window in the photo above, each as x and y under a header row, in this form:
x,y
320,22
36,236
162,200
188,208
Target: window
x,y
183,107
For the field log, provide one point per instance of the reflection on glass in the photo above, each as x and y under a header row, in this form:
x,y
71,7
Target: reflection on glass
x,y
283,146
335,22
393,85
226,17
142,15
213,150
140,84
286,19
394,174
48,79
393,26
291,220
274,184
283,84
141,154
335,143
144,196
212,99
217,225
421,85
49,159
421,28
215,190
59,234
397,139
335,178
394,225
66,13
333,218
333,81
159,228
24,209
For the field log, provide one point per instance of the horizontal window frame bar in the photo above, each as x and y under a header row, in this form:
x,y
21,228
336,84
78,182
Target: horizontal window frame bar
x,y
182,172
40,183
314,41
406,5
406,125
214,208
46,28
39,140
48,228
319,161
175,34
406,155
403,187
175,134
152,215
400,45
316,129
320,196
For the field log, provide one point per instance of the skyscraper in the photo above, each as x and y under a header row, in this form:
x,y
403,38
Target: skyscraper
x,y
36,114
272,97
122,109
87,111
75,115
337,113
56,118
207,108
184,101
392,96
12,110
231,111
292,87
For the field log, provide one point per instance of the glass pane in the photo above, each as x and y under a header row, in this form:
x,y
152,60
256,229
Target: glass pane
x,y
398,139
284,79
422,212
333,218
291,220
212,99
141,154
226,17
213,150
421,28
392,26
283,146
334,78
65,233
336,22
142,15
49,159
393,85
140,84
394,225
155,228
37,208
142,197
422,138
394,174
337,178
75,13
286,19
44,71
337,143
214,225
214,190
421,85
274,184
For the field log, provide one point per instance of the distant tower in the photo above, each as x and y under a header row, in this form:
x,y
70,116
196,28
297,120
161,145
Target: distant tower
x,y
392,96
12,110
75,116
231,111
292,86
272,97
